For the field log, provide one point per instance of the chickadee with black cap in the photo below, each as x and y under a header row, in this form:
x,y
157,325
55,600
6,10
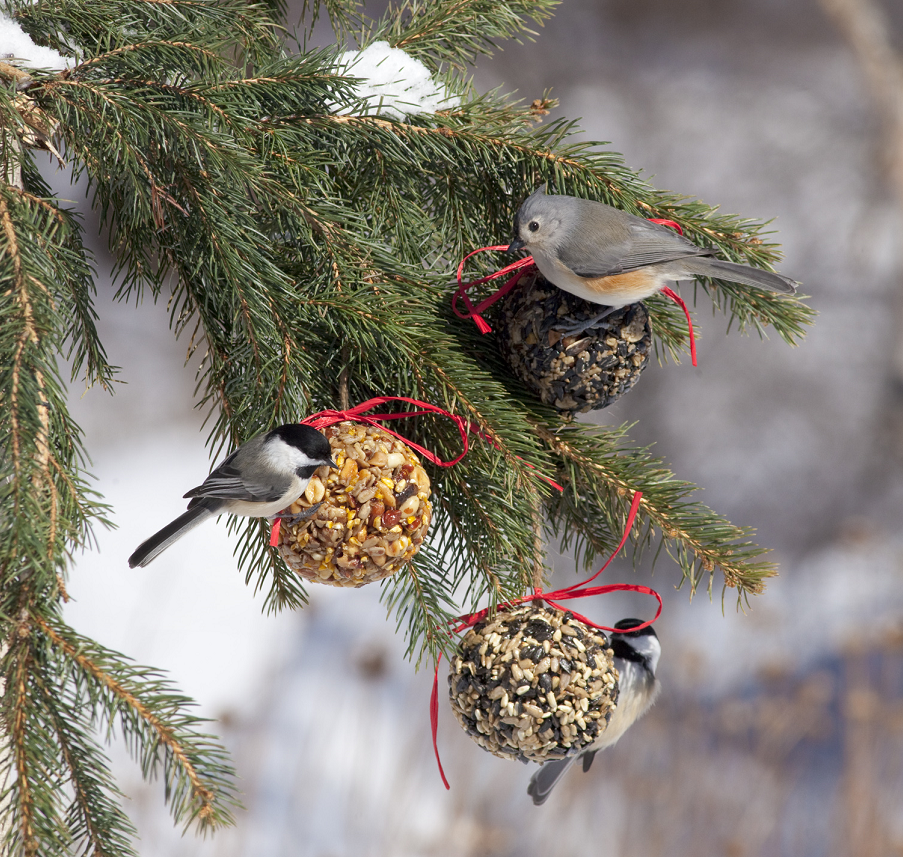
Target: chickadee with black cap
x,y
609,257
636,655
262,477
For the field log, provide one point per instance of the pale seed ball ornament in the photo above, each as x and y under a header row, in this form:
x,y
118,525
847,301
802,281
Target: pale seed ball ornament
x,y
534,680
373,515
533,683
572,372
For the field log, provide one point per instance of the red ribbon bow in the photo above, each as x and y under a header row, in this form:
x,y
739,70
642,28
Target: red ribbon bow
x,y
577,590
522,266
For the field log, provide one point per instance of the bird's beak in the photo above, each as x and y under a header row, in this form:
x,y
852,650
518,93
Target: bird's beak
x,y
516,244
331,463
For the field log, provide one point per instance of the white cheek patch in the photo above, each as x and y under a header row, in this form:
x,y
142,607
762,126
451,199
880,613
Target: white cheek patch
x,y
649,647
285,459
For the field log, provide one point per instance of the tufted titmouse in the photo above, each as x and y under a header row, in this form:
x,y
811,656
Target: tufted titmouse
x,y
609,257
636,655
262,477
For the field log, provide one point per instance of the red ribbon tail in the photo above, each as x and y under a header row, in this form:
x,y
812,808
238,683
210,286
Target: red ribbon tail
x,y
274,532
679,301
473,312
481,324
434,720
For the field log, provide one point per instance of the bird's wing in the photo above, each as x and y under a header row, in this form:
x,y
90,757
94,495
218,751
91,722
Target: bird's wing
x,y
640,244
227,483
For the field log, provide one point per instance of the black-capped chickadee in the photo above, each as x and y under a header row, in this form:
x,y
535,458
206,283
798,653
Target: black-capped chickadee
x,y
607,256
636,655
262,477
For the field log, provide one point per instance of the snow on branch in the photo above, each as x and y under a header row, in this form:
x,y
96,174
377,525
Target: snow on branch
x,y
16,45
395,83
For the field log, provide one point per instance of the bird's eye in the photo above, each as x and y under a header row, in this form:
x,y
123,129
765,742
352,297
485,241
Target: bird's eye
x,y
533,226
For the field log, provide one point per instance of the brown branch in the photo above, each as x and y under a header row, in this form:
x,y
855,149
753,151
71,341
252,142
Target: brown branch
x,y
18,729
344,402
126,48
437,26
71,763
865,26
29,334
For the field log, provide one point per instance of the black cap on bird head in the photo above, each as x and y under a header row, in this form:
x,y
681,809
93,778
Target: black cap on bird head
x,y
624,626
307,439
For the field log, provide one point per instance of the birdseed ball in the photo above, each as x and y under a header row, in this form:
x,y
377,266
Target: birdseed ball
x,y
533,684
574,373
375,511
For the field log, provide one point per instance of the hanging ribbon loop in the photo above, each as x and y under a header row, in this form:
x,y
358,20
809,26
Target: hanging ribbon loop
x,y
520,266
358,414
577,590
672,294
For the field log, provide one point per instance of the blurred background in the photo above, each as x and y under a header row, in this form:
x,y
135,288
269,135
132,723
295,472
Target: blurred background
x,y
780,728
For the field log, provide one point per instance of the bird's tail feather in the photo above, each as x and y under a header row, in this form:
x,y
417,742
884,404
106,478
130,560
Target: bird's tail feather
x,y
543,781
151,548
743,274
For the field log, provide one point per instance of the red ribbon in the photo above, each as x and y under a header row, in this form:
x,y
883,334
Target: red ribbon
x,y
474,311
324,419
475,429
577,590
521,267
673,295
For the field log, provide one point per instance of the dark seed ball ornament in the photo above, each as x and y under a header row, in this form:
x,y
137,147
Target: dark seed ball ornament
x,y
374,515
533,683
574,373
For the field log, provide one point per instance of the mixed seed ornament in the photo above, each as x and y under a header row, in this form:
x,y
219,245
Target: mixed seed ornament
x,y
533,680
370,515
573,373
374,513
533,683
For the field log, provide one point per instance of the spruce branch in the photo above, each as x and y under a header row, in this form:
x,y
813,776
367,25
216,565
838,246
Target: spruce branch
x,y
155,724
456,32
95,816
591,511
512,152
307,243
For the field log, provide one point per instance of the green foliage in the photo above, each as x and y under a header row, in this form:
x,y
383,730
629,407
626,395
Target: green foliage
x,y
307,242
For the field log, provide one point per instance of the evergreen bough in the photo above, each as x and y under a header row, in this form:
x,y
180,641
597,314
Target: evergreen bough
x,y
305,242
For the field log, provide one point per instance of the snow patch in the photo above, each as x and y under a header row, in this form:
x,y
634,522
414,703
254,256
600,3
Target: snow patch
x,y
16,44
395,83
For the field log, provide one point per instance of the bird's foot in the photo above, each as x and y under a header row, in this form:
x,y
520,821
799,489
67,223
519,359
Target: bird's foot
x,y
576,328
303,515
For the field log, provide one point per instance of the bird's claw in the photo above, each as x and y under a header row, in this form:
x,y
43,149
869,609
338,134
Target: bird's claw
x,y
576,328
303,515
